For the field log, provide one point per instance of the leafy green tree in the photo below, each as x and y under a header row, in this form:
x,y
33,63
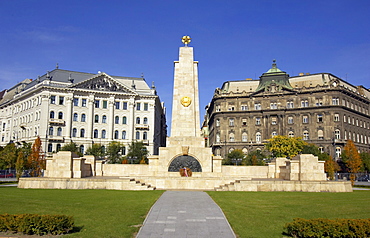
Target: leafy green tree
x,y
234,156
96,150
283,146
255,158
352,159
36,160
137,151
114,149
365,157
72,146
8,156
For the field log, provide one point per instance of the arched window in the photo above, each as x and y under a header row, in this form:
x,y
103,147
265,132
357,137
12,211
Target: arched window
x,y
51,131
145,121
75,116
337,152
231,150
74,132
320,134
82,149
137,120
58,147
123,135
306,135
244,137
82,133
245,151
116,120
337,134
290,134
137,135
96,118
104,119
103,134
123,150
50,147
59,131
96,133
258,137
83,118
218,138
273,134
116,134
52,114
124,120
145,135
231,137
60,115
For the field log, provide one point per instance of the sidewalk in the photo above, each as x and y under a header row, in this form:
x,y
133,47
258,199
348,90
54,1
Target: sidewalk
x,y
185,214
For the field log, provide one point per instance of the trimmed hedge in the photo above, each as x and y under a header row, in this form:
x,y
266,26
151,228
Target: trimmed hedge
x,y
33,224
328,228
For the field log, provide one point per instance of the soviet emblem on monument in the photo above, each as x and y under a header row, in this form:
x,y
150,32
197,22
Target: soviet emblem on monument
x,y
185,101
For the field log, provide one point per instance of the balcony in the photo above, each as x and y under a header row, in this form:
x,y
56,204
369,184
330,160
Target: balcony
x,y
56,121
142,126
56,138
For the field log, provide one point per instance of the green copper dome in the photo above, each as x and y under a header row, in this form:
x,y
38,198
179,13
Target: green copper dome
x,y
274,80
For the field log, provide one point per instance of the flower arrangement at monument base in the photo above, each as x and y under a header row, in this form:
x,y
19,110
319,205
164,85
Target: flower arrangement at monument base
x,y
185,172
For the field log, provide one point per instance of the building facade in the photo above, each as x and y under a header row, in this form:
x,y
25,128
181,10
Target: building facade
x,y
66,106
320,108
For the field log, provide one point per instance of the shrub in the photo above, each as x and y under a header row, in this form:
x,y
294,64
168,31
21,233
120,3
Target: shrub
x,y
33,224
328,228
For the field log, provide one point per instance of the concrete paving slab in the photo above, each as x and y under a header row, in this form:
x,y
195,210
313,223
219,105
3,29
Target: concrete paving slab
x,y
185,214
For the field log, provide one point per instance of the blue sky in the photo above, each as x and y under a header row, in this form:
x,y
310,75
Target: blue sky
x,y
232,39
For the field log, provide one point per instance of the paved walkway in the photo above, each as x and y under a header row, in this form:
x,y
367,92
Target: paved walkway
x,y
185,214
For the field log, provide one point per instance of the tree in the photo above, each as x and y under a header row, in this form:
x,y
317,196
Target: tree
x,y
352,159
114,152
314,149
137,151
23,153
365,157
283,146
8,156
72,146
36,161
331,167
96,150
234,156
255,158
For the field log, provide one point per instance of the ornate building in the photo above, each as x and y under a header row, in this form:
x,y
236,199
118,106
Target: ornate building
x,y
321,108
66,106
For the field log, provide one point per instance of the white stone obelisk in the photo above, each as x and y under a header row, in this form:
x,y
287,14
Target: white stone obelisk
x,y
185,105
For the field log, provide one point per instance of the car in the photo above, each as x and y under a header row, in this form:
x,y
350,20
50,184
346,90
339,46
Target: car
x,y
10,175
364,178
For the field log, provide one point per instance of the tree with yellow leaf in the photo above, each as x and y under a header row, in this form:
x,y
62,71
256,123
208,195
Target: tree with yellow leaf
x,y
36,161
352,159
283,146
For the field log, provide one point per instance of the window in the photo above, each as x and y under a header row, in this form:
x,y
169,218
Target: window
x,y
290,134
52,99
103,134
258,121
52,114
61,100
244,137
231,137
273,105
289,104
50,147
59,147
97,103
96,119
344,118
320,134
318,102
116,134
231,122
117,105
244,108
306,135
60,115
137,135
124,120
345,135
231,108
319,118
59,131
305,119
137,120
217,122
83,117
51,131
116,120
96,133
337,152
321,149
82,149
218,138
273,120
244,122
83,103
335,101
145,135
258,137
75,102
218,108
74,132
290,120
257,106
104,119
145,122
105,104
124,106
336,117
123,135
273,134
75,116
304,103
138,106
82,133
146,106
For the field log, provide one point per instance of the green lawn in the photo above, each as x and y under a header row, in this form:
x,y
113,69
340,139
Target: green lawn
x,y
264,214
97,213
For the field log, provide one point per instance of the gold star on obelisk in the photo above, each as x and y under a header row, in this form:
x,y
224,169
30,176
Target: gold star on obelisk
x,y
186,40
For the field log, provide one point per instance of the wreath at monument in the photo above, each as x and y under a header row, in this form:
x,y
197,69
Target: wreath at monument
x,y
185,172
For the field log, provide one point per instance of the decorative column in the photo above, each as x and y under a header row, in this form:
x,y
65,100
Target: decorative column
x,y
131,119
90,117
110,117
68,118
44,120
